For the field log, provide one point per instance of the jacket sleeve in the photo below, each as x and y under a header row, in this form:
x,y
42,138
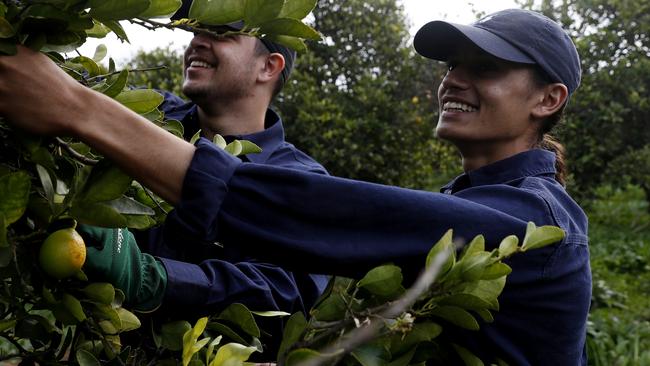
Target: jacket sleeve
x,y
334,225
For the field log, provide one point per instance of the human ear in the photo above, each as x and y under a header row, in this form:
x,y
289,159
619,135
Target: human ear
x,y
273,65
550,99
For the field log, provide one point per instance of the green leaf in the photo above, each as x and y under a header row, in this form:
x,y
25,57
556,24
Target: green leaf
x,y
88,64
270,314
161,9
370,355
384,281
172,334
486,315
117,28
539,237
129,206
289,27
111,322
232,354
297,9
234,148
190,346
331,308
8,47
217,12
100,52
226,331
457,316
475,246
6,252
6,30
46,181
117,85
106,182
117,9
257,12
129,320
219,141
508,246
446,245
300,355
292,332
495,271
98,30
294,43
248,147
210,350
465,301
140,100
85,358
15,189
239,315
468,357
195,137
488,290
472,266
73,306
175,127
97,214
104,293
421,332
405,359
7,324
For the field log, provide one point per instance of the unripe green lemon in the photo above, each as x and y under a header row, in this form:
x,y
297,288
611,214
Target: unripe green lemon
x,y
62,253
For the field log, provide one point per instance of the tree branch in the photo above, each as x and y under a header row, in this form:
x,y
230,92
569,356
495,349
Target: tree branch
x,y
74,154
370,329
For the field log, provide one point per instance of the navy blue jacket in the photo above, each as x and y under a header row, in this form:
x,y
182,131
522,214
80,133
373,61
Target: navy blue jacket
x,y
339,226
204,277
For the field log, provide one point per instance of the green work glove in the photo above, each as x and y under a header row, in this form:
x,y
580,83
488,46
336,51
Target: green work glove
x,y
113,256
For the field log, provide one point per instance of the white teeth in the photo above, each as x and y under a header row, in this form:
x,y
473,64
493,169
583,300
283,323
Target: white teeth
x,y
200,64
458,106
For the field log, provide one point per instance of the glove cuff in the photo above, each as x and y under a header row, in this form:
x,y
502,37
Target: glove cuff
x,y
153,286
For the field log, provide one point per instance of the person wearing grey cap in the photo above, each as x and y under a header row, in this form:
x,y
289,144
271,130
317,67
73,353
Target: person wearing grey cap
x,y
509,77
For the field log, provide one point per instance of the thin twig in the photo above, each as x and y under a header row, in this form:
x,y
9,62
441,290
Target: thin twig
x,y
153,68
370,330
74,154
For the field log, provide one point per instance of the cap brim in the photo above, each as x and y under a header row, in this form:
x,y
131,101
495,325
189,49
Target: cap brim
x,y
438,40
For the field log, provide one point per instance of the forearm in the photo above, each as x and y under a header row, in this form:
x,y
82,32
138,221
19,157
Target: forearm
x,y
154,157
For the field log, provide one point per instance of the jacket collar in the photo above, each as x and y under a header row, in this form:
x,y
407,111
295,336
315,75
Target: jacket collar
x,y
268,139
525,164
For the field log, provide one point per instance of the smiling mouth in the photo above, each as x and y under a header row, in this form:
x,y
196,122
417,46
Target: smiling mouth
x,y
201,64
458,107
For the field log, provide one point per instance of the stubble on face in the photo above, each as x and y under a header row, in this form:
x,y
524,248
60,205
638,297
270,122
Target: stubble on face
x,y
230,78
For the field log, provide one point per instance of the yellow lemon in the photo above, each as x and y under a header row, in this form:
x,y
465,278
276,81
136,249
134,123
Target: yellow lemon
x,y
62,253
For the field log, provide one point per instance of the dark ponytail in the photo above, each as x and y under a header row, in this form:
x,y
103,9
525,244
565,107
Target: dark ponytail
x,y
551,144
545,140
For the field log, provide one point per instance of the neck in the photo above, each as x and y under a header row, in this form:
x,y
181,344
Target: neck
x,y
239,117
476,157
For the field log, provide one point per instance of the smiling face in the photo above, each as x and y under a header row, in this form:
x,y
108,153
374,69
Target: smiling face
x,y
220,68
486,104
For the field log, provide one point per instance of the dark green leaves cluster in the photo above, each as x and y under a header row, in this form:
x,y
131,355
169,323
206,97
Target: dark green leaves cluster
x,y
277,20
64,25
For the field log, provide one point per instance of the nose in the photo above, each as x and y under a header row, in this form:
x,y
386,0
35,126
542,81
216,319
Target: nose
x,y
457,77
200,40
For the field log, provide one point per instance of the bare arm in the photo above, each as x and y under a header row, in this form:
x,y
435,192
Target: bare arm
x,y
39,97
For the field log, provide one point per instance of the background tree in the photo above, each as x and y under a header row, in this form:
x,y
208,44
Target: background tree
x,y
362,102
607,118
169,77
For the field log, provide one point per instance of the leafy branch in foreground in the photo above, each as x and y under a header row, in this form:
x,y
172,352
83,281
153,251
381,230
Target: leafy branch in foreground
x,y
376,321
